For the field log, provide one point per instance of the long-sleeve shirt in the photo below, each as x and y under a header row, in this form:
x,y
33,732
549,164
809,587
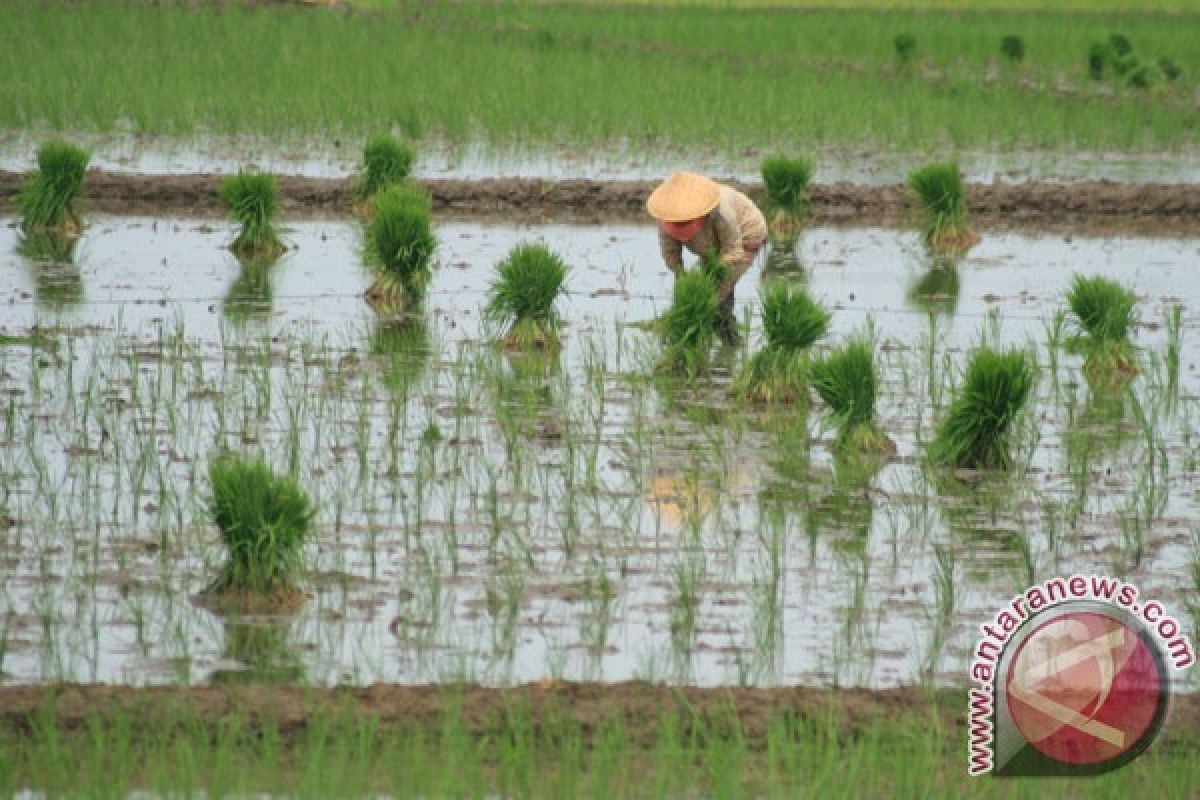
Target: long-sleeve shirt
x,y
735,222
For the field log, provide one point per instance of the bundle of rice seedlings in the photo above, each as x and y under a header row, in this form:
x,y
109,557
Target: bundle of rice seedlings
x,y
386,161
400,242
47,200
939,191
786,183
975,431
523,294
1013,47
792,323
264,521
848,382
1105,316
690,324
905,45
253,200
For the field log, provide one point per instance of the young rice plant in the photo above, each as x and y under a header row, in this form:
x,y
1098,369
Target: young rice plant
x,y
400,241
792,323
253,200
386,161
523,294
786,181
1105,316
690,324
941,198
974,433
47,200
264,521
847,380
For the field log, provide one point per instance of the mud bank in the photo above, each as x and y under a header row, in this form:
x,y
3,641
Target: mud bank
x,y
637,707
1099,205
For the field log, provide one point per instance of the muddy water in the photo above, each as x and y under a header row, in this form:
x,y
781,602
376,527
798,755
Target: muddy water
x,y
328,157
580,524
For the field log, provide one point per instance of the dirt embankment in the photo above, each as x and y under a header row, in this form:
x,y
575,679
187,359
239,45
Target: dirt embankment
x,y
638,707
1094,206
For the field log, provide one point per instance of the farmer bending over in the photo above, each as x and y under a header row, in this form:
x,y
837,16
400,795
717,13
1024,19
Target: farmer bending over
x,y
708,217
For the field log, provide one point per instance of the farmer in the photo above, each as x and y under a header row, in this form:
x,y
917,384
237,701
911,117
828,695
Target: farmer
x,y
708,217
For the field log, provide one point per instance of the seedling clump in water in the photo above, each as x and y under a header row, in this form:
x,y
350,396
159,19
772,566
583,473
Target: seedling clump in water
x,y
792,323
253,200
974,433
847,380
386,161
264,521
47,201
938,189
786,182
1104,315
523,294
400,241
690,324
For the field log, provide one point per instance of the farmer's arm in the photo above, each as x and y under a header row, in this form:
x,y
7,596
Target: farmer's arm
x,y
735,259
672,252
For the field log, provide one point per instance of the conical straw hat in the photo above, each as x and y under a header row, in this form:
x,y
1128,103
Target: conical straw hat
x,y
683,196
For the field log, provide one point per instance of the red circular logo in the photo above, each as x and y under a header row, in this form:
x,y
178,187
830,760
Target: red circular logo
x,y
1084,688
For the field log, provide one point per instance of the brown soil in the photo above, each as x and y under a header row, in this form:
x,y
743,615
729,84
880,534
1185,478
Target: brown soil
x,y
1082,207
637,706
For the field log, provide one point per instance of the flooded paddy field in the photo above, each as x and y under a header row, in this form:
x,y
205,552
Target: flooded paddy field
x,y
504,520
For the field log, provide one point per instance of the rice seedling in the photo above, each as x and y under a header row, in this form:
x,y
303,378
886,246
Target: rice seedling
x,y
792,323
974,434
253,200
1105,315
847,380
786,182
47,200
386,161
905,45
1013,48
523,294
689,326
264,521
939,192
1169,68
400,242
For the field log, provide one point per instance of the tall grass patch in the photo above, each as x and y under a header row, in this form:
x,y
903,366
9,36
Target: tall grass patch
x,y
47,200
792,323
786,183
1105,315
264,521
942,206
847,381
253,201
523,295
400,242
976,429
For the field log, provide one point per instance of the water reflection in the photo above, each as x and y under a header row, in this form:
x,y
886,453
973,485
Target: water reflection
x,y
936,290
58,282
260,651
252,293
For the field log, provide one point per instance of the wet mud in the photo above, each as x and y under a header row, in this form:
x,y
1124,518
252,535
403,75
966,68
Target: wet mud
x,y
638,707
1096,206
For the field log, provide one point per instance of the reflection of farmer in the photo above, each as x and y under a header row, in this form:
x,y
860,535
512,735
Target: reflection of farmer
x,y
708,217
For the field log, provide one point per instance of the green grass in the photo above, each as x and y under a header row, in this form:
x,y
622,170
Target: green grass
x,y
523,294
263,520
975,430
541,75
792,323
47,200
253,201
1105,315
847,381
913,754
400,241
386,160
